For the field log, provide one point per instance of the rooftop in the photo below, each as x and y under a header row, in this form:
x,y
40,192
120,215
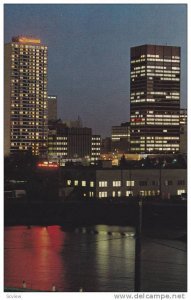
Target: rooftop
x,y
26,40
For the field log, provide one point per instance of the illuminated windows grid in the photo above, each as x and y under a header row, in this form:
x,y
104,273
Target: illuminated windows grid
x,y
155,99
28,95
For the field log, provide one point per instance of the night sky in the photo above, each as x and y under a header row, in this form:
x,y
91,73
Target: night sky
x,y
89,52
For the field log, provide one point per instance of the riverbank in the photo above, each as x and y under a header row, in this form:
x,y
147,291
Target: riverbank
x,y
165,214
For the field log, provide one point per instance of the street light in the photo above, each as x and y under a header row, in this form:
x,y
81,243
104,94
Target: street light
x,y
137,282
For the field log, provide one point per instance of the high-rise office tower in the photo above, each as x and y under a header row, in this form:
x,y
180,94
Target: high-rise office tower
x,y
25,96
155,99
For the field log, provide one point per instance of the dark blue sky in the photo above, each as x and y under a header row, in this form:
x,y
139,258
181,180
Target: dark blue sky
x,y
89,52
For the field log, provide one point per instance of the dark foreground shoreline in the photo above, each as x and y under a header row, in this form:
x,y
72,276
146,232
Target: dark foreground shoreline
x,y
83,213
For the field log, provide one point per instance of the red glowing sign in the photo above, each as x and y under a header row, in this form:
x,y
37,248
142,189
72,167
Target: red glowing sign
x,y
136,120
47,164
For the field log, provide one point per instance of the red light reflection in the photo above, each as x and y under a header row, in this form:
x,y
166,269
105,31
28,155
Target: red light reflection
x,y
39,265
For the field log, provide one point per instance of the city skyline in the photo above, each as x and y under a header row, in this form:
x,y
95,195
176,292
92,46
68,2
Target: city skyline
x,y
89,53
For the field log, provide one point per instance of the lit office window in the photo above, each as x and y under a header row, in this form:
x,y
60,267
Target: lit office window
x,y
69,182
117,183
180,192
83,183
91,184
102,194
76,182
116,194
129,193
142,193
102,183
130,183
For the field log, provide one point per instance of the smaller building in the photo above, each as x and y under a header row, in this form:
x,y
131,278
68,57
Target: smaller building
x,y
72,143
115,182
95,147
52,107
121,138
106,145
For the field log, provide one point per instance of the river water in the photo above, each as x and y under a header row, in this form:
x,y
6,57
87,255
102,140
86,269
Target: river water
x,y
97,259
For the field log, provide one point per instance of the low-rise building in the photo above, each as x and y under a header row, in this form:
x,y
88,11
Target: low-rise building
x,y
106,145
117,182
72,143
120,138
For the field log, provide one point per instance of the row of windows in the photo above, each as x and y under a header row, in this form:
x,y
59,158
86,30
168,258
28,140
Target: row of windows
x,y
77,182
56,154
156,149
159,138
164,73
57,149
162,123
27,137
105,194
154,60
59,145
129,183
155,67
57,138
14,45
162,119
96,138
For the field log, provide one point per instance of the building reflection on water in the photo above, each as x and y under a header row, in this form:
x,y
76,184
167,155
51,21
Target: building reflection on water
x,y
99,259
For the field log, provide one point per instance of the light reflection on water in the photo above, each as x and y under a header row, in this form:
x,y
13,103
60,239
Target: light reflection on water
x,y
99,258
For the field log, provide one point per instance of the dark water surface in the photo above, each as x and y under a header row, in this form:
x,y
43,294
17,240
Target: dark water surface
x,y
99,259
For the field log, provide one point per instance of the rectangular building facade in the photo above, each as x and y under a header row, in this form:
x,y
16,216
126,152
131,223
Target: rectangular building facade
x,y
155,99
79,142
120,138
25,96
95,147
72,143
114,183
52,107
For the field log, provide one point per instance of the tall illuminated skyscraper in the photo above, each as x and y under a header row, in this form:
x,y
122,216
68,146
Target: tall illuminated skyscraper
x,y
25,97
155,99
